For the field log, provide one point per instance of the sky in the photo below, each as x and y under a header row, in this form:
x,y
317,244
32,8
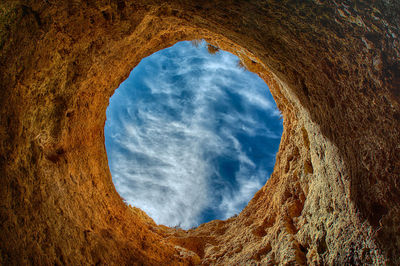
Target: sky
x,y
190,136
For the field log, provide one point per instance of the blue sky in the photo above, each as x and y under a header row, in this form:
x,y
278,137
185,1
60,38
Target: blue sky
x,y
190,136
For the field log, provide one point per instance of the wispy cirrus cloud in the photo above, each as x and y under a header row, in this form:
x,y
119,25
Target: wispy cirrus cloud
x,y
190,136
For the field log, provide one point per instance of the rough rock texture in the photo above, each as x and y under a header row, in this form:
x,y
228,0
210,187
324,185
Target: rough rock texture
x,y
332,66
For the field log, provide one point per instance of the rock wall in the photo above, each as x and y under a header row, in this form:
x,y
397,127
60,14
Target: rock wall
x,y
333,69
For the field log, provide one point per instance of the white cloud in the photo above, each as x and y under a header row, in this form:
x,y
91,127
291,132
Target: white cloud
x,y
166,137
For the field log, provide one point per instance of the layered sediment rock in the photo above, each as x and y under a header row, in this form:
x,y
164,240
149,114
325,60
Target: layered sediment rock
x,y
333,69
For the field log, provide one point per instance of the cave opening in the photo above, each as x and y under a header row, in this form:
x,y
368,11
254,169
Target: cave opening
x,y
191,135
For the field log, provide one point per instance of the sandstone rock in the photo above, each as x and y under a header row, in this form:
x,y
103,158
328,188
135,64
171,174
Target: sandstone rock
x,y
333,68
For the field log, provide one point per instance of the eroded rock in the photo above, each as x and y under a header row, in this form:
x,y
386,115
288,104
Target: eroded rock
x,y
333,69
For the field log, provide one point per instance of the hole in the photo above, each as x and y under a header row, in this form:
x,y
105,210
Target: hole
x,y
190,136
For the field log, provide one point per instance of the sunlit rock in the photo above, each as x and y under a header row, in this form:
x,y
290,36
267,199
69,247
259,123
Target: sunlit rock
x,y
332,68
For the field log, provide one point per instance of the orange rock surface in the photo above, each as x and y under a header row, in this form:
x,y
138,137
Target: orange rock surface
x,y
332,67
